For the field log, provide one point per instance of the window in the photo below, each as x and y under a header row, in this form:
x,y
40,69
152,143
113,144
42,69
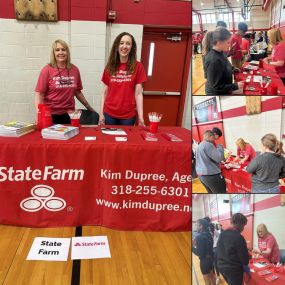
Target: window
x,y
195,19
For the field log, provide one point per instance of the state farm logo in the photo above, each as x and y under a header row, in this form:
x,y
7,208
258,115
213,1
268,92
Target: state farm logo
x,y
42,197
89,243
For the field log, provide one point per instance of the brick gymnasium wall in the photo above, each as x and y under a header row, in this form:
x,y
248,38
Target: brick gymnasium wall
x,y
25,45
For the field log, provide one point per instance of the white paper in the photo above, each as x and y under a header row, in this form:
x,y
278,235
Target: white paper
x,y
90,138
259,265
50,249
257,78
113,131
90,247
121,139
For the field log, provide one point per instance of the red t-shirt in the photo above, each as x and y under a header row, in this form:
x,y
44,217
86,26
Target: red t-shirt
x,y
245,45
236,41
266,242
278,53
120,101
59,87
249,150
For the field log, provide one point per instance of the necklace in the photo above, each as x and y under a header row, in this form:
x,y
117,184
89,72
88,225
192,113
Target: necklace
x,y
64,80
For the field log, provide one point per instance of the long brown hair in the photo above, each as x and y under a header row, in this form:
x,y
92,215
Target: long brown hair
x,y
274,36
114,57
212,37
270,141
52,57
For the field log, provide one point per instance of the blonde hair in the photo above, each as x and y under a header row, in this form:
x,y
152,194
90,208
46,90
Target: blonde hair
x,y
241,143
52,57
274,36
270,141
263,228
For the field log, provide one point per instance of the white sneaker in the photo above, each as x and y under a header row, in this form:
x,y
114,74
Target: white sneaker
x,y
217,281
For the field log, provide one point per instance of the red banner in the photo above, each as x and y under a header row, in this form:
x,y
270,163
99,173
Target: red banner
x,y
133,185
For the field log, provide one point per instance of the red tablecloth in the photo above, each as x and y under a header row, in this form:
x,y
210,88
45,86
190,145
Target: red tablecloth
x,y
133,185
260,280
239,181
266,71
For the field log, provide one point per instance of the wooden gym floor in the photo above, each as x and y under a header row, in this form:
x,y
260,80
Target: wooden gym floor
x,y
136,258
198,80
197,186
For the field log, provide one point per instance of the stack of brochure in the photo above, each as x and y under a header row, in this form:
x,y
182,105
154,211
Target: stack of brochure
x,y
60,132
113,131
16,129
149,137
172,137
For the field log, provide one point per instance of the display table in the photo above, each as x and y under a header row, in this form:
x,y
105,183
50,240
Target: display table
x,y
256,279
133,185
267,71
239,181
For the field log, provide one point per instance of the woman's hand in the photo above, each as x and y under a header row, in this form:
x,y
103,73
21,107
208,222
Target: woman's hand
x,y
101,119
141,122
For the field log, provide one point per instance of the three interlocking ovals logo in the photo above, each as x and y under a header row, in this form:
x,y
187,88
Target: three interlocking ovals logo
x,y
42,197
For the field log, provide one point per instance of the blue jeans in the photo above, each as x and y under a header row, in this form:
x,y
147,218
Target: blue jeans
x,y
115,121
273,190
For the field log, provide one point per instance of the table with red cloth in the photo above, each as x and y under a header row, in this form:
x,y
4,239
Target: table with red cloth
x,y
266,71
256,279
239,181
133,185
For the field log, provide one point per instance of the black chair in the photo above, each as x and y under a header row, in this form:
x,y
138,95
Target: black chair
x,y
282,256
89,118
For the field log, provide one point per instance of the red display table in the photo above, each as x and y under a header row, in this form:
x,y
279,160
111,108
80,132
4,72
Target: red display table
x,y
239,181
133,185
267,71
256,279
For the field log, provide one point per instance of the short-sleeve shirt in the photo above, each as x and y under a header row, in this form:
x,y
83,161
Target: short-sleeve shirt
x,y
245,45
278,53
249,150
266,242
120,100
59,86
236,41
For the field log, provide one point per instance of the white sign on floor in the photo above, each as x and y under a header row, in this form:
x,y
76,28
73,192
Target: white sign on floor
x,y
90,247
52,249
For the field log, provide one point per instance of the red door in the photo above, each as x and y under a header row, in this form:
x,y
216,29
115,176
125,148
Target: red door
x,y
166,73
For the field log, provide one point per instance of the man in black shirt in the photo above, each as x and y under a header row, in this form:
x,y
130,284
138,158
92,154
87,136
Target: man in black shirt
x,y
232,253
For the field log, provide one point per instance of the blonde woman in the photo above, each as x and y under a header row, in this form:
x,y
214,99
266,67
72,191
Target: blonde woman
x,y
267,167
245,152
277,58
58,83
267,245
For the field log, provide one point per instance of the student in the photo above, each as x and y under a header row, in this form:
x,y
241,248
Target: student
x,y
232,253
267,245
267,167
236,51
221,24
245,152
217,68
208,158
58,83
245,46
203,248
277,58
122,99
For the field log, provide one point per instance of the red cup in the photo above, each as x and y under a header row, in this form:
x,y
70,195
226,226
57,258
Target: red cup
x,y
75,122
153,127
260,65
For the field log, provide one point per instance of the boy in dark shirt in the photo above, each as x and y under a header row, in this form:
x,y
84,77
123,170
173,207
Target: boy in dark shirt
x,y
232,253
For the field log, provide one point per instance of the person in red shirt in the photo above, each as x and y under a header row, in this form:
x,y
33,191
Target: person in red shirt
x,y
236,50
267,245
277,58
58,83
123,76
245,152
245,45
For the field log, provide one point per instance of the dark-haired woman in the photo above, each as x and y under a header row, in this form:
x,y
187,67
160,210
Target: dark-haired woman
x,y
123,76
267,167
217,68
203,248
